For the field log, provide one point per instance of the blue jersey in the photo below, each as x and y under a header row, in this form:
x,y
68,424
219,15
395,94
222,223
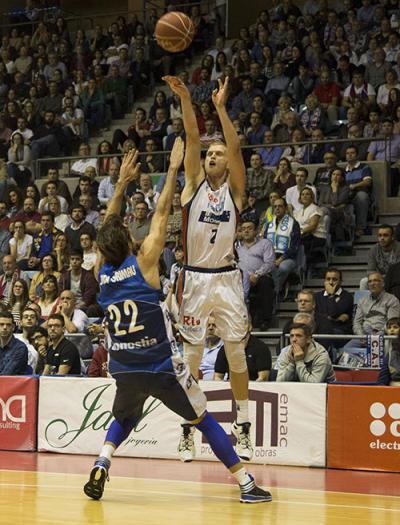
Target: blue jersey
x,y
139,330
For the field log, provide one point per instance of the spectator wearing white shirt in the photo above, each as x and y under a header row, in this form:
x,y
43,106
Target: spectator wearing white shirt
x,y
79,166
89,253
107,185
51,192
76,321
358,88
292,196
21,243
22,128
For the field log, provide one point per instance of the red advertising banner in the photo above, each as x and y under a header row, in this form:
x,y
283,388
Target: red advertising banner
x,y
363,427
18,412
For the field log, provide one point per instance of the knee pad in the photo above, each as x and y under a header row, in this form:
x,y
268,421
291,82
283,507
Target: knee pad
x,y
193,355
235,356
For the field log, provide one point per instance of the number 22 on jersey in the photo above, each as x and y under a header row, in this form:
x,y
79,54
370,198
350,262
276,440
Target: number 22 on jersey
x,y
129,310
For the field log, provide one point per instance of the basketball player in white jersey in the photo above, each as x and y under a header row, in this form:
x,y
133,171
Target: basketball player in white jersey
x,y
211,283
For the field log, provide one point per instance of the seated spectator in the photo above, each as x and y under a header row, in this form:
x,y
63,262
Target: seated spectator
x,y
260,108
389,374
270,155
377,67
10,273
296,151
255,133
258,359
203,91
373,127
53,175
17,301
323,174
359,181
358,87
276,85
333,200
316,150
23,130
51,192
305,362
116,92
14,201
152,162
292,195
13,352
284,233
211,134
391,82
99,364
88,250
29,321
310,219
284,177
61,220
92,101
48,140
49,296
177,267
104,163
62,252
213,344
312,117
42,242
384,254
249,212
328,95
19,161
257,258
39,341
21,242
79,166
302,83
243,102
75,319
48,266
375,309
334,306
388,149
280,113
62,356
73,121
159,127
87,186
139,222
259,182
174,224
78,226
81,282
177,131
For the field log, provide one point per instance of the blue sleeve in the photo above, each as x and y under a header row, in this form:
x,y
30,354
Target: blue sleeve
x,y
276,155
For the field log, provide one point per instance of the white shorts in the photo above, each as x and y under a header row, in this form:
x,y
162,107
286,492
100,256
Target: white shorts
x,y
216,293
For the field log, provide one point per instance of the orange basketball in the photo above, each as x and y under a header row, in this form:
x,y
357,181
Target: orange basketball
x,y
174,31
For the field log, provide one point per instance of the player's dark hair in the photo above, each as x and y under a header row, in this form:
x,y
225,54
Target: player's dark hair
x,y
113,241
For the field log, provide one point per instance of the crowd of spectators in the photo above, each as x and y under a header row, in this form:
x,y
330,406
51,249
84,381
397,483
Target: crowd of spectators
x,y
296,77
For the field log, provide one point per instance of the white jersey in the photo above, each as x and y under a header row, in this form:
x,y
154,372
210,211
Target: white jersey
x,y
209,227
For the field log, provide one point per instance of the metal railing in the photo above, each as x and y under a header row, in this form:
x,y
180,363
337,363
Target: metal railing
x,y
38,163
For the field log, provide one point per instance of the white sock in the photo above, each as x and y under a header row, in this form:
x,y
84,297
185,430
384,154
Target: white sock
x,y
242,477
242,409
107,451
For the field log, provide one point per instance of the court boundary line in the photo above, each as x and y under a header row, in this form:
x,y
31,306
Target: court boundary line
x,y
194,495
318,491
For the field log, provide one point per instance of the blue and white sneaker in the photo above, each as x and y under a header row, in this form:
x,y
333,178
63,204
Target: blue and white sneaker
x,y
94,488
250,493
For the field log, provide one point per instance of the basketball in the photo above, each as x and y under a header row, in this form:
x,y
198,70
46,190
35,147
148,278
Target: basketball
x,y
174,32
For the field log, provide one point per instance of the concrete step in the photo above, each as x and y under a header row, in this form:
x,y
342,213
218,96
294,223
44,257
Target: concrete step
x,y
352,267
348,281
287,306
389,218
366,239
349,259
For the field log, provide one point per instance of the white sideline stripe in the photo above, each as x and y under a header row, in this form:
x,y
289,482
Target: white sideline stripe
x,y
194,495
186,481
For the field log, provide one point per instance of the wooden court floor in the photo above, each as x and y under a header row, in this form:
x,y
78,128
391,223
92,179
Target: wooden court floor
x,y
47,489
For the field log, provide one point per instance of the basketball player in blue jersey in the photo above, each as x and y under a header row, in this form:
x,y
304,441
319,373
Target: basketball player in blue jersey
x,y
143,356
211,282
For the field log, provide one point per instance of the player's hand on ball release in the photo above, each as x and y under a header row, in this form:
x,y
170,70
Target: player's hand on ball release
x,y
177,153
220,95
130,167
177,86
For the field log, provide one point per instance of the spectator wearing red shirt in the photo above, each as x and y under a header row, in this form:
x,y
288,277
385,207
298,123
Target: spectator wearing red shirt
x,y
328,94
